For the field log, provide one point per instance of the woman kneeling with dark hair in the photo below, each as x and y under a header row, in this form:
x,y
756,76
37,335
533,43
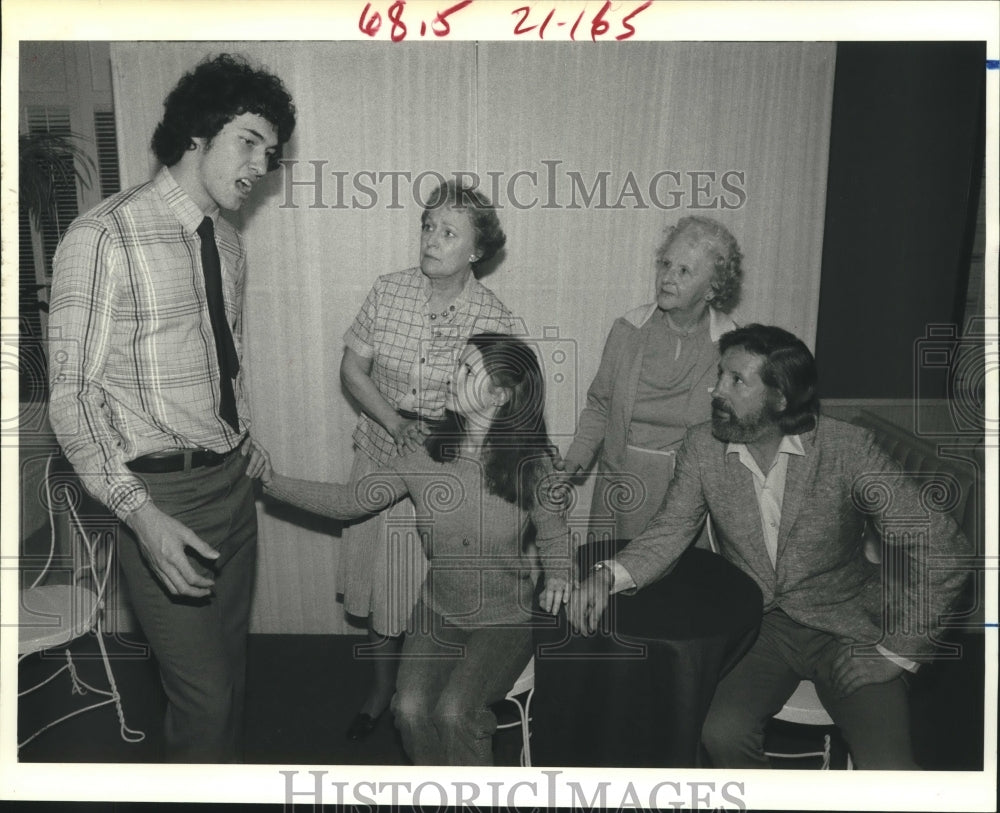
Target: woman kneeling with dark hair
x,y
482,476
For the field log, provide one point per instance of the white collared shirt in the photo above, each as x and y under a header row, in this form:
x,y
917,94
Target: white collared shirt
x,y
770,487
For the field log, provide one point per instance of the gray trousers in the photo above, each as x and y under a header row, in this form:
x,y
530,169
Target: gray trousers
x,y
448,677
875,719
200,644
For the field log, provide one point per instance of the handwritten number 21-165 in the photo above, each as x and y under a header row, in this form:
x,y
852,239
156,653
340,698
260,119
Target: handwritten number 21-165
x,y
599,26
371,21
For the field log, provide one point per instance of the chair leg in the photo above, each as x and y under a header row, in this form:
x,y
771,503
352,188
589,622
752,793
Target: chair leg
x,y
127,734
526,731
522,715
524,721
49,679
81,687
826,753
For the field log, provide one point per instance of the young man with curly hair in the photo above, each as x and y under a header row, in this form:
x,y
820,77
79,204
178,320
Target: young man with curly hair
x,y
147,396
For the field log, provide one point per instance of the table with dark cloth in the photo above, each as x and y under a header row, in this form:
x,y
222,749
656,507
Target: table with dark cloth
x,y
635,694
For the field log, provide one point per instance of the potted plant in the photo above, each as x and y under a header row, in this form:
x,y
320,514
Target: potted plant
x,y
47,162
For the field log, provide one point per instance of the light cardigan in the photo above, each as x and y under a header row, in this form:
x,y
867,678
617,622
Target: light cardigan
x,y
474,540
611,397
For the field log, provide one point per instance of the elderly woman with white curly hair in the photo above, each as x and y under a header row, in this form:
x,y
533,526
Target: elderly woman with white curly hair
x,y
658,366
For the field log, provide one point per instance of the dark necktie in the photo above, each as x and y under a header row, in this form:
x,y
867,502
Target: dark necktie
x,y
225,349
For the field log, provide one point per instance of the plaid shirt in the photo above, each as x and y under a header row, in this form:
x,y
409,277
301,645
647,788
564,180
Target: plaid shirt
x,y
132,360
414,350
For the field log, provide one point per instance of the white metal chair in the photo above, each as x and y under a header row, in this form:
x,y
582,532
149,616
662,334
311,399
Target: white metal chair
x,y
53,615
525,684
804,708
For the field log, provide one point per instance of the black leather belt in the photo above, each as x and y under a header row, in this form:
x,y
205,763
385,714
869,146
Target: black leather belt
x,y
407,415
181,460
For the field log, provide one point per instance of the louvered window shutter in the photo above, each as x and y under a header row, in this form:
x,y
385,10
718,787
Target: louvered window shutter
x,y
107,152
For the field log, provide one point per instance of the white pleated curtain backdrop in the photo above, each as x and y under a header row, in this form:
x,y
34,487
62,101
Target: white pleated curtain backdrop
x,y
495,109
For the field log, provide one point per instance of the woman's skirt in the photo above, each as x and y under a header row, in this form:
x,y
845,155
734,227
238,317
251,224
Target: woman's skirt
x,y
382,563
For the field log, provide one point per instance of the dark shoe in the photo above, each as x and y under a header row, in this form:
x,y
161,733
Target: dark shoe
x,y
362,725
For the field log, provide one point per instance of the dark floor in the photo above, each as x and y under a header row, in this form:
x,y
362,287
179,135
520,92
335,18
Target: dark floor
x,y
303,690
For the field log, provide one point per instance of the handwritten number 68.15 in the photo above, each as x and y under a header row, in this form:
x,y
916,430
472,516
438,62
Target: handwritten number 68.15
x,y
371,21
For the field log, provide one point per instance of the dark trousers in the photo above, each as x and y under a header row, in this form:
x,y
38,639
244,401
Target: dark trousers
x,y
875,719
200,644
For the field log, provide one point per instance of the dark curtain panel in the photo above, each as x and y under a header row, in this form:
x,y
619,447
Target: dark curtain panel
x,y
906,162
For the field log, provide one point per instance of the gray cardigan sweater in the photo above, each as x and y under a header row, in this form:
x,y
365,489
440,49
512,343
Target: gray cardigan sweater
x,y
479,573
611,397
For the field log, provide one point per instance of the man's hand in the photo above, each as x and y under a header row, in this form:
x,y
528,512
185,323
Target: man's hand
x,y
162,540
850,672
409,435
260,460
587,605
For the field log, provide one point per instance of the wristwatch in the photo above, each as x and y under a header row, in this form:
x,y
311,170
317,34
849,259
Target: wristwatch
x,y
605,566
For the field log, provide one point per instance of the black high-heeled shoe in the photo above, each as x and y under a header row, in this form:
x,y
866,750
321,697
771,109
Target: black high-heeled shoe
x,y
362,725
